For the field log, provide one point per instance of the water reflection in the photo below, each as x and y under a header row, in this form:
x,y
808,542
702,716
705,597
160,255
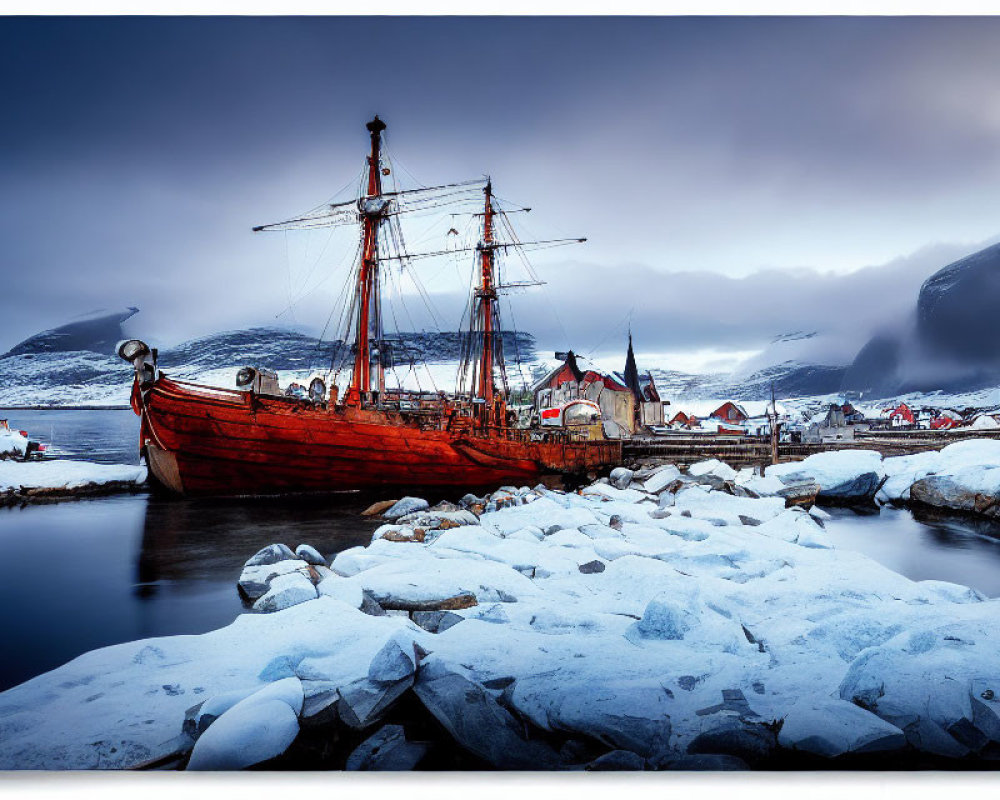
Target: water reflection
x,y
82,575
202,539
956,528
924,544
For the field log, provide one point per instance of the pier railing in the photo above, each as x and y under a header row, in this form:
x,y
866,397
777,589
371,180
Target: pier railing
x,y
743,451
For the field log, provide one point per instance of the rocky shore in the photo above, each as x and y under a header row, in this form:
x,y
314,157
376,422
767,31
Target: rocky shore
x,y
656,619
23,482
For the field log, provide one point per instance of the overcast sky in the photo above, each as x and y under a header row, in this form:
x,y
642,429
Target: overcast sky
x,y
737,179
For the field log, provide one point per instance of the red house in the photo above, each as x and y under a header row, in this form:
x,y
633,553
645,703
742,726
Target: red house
x,y
680,418
731,413
901,415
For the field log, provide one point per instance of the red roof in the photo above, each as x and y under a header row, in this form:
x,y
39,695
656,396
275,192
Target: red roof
x,y
903,410
592,376
730,412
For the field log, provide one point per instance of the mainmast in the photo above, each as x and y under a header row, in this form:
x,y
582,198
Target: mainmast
x,y
487,295
372,212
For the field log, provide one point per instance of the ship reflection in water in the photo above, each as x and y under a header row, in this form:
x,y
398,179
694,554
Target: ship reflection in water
x,y
191,540
82,575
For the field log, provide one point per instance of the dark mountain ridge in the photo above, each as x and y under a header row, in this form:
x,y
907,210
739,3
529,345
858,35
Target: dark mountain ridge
x,y
98,334
952,343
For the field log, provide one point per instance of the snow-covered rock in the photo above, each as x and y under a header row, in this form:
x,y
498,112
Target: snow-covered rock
x,y
608,492
830,727
964,476
310,555
256,729
271,554
621,477
255,580
95,711
437,520
712,467
903,471
405,506
959,658
664,618
284,591
661,479
477,721
842,475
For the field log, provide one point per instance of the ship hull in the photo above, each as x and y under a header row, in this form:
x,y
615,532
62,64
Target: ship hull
x,y
205,441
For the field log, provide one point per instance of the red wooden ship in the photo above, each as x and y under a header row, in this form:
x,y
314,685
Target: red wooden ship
x,y
206,440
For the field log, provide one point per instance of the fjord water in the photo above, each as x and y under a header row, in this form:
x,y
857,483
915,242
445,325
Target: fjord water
x,y
84,574
79,575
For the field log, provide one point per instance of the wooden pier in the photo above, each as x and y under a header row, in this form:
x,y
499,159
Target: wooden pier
x,y
752,451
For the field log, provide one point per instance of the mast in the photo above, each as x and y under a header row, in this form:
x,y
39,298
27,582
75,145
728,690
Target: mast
x,y
367,285
487,295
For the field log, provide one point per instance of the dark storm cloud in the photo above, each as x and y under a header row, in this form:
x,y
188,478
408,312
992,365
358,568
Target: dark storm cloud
x,y
728,171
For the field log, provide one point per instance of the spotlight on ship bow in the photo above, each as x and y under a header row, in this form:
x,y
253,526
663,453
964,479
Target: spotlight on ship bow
x,y
133,349
136,351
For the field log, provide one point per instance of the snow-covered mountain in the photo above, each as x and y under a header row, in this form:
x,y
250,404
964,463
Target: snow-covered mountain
x,y
76,365
53,369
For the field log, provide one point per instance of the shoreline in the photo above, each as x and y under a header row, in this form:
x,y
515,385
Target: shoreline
x,y
539,629
44,495
66,408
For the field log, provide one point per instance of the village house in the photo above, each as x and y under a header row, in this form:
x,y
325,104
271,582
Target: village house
x,y
945,420
627,401
748,418
902,416
730,414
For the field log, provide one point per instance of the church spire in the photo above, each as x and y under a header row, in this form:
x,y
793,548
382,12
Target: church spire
x,y
631,372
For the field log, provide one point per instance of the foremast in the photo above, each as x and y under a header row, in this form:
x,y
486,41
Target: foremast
x,y
372,209
489,400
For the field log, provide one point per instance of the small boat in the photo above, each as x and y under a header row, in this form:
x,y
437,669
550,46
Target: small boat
x,y
254,439
16,445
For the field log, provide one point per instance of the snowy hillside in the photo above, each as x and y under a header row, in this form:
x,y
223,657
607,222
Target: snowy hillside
x,y
47,377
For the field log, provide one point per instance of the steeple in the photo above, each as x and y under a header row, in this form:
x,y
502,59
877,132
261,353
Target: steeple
x,y
631,372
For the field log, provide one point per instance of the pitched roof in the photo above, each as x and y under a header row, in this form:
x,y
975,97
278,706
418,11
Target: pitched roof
x,y
569,361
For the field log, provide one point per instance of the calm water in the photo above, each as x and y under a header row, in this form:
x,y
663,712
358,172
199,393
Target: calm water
x,y
80,575
108,437
924,545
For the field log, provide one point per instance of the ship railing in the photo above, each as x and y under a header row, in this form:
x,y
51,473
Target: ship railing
x,y
537,435
216,392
